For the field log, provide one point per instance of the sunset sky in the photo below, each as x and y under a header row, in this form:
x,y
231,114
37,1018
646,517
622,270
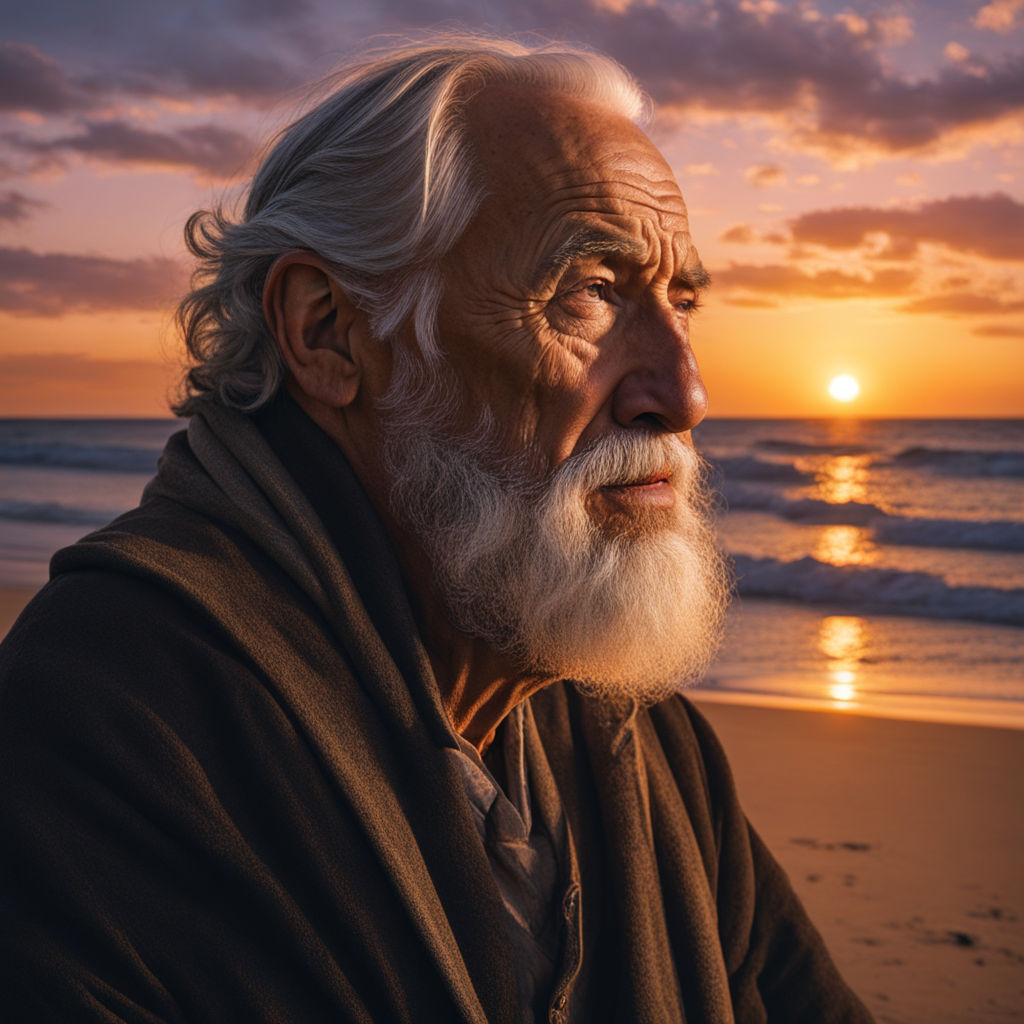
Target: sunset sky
x,y
854,171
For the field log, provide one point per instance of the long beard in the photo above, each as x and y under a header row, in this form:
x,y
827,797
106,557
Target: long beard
x,y
626,608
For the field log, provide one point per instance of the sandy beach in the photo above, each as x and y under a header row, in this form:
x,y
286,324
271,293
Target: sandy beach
x,y
904,839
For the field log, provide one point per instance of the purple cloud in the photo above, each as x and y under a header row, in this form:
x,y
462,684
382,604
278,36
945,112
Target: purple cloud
x,y
210,149
50,284
32,81
16,207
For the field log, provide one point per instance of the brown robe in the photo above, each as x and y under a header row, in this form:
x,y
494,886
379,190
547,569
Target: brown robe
x,y
228,790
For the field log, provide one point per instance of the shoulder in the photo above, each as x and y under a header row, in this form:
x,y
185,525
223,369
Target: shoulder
x,y
99,646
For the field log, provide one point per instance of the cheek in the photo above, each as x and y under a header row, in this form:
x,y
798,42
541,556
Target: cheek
x,y
563,364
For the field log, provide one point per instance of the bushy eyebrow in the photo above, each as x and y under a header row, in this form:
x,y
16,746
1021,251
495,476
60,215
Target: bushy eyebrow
x,y
695,277
592,241
589,241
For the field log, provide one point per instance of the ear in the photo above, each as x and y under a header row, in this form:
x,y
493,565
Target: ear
x,y
316,327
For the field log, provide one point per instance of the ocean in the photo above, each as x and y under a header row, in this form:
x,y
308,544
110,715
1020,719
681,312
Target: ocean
x,y
879,563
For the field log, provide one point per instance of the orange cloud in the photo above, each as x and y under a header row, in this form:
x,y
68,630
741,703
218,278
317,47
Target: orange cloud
x,y
827,284
964,304
765,175
999,331
999,16
991,226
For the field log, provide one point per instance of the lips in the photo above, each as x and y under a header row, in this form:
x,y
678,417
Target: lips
x,y
646,481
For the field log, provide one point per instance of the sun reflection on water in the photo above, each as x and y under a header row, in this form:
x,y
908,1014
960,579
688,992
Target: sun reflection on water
x,y
845,545
841,639
842,478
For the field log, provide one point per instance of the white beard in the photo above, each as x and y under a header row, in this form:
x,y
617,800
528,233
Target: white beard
x,y
630,609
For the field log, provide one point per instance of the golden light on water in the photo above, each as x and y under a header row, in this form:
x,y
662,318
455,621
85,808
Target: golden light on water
x,y
842,692
845,545
844,388
843,478
841,639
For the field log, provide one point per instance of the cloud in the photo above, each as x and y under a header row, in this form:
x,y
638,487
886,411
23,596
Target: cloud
x,y
999,331
991,226
50,284
740,234
784,280
171,64
32,81
212,66
963,304
209,148
956,52
826,78
16,207
765,175
998,16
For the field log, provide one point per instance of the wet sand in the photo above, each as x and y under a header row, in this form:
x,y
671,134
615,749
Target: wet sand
x,y
904,839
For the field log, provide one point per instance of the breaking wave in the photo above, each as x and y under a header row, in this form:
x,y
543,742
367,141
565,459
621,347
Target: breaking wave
x,y
887,591
962,462
784,446
806,510
904,531
750,467
949,533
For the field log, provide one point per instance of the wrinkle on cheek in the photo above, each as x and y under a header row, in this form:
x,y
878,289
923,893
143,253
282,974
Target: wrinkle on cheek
x,y
563,362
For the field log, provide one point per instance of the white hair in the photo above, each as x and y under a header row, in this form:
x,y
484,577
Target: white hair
x,y
378,179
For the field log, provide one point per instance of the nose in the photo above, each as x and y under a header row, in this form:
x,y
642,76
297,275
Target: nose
x,y
662,381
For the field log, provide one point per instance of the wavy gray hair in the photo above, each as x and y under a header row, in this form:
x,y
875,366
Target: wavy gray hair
x,y
377,179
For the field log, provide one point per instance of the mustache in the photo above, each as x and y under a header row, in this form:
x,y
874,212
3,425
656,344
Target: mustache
x,y
630,457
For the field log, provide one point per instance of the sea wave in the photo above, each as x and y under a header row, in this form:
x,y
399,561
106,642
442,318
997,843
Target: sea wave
x,y
750,467
108,458
887,528
805,510
54,512
785,446
960,462
949,533
888,591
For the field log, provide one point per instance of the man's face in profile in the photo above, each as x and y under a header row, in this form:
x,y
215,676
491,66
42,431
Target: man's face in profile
x,y
545,463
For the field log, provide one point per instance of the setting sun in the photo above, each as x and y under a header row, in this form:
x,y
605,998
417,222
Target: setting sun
x,y
844,388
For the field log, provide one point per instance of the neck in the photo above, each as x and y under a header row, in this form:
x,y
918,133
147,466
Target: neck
x,y
479,685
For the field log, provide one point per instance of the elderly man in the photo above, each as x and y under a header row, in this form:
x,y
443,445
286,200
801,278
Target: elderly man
x,y
367,712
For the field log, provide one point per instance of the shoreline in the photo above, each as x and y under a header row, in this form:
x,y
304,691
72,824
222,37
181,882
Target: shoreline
x,y
966,711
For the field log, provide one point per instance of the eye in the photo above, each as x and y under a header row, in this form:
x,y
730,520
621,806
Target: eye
x,y
600,291
690,305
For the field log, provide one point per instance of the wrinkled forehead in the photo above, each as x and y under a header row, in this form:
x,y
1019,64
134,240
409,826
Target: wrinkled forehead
x,y
548,159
